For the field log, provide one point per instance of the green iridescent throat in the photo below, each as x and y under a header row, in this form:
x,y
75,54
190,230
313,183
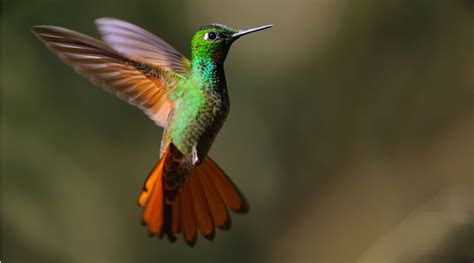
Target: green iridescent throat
x,y
204,71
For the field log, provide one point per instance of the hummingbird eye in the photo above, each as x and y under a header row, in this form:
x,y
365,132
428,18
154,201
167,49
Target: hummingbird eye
x,y
210,36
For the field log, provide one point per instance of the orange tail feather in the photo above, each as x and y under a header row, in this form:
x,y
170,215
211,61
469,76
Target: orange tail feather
x,y
152,198
201,202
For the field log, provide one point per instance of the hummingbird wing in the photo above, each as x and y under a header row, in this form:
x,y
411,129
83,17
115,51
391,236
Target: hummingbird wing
x,y
138,44
143,85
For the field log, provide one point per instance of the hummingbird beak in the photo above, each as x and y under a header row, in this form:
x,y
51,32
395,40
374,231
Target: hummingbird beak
x,y
248,31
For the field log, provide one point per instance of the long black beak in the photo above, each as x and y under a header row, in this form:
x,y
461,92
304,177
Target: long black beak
x,y
248,31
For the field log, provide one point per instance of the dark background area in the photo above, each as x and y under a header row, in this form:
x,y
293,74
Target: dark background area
x,y
351,133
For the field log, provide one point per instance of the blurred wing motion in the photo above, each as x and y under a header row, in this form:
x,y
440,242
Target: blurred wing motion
x,y
138,44
142,83
201,203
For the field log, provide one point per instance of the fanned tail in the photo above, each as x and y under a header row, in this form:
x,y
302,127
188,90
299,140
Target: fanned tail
x,y
201,202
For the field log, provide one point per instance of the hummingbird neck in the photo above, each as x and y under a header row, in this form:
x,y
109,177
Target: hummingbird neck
x,y
207,70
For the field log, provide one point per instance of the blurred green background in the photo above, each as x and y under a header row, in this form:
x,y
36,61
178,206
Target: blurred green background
x,y
351,134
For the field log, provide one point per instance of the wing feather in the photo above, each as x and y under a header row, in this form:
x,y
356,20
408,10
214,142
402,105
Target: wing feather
x,y
143,85
139,44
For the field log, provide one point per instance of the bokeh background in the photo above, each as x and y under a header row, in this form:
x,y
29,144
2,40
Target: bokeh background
x,y
351,134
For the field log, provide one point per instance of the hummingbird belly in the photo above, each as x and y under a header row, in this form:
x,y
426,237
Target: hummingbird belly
x,y
195,121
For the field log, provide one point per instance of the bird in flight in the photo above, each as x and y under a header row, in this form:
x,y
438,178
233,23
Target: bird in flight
x,y
186,191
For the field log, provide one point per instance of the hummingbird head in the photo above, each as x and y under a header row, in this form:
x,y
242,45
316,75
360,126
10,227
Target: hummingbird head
x,y
214,41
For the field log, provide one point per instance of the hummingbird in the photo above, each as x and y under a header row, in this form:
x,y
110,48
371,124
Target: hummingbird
x,y
186,191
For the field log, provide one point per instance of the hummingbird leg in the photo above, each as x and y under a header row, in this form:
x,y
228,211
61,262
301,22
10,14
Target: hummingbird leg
x,y
195,157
